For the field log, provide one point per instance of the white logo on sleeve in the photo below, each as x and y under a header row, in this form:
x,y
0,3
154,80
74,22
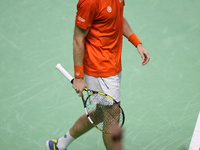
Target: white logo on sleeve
x,y
109,9
120,1
81,19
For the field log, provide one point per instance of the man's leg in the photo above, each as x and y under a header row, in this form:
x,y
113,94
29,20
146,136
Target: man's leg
x,y
111,119
81,126
107,141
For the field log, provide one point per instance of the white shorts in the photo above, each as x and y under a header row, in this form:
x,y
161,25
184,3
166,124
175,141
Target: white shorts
x,y
108,85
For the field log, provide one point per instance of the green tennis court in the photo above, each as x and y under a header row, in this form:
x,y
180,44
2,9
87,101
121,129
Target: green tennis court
x,y
161,100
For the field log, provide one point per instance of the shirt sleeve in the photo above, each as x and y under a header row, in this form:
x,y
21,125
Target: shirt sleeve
x,y
85,13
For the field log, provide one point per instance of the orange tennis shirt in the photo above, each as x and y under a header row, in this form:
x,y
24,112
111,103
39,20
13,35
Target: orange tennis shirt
x,y
103,43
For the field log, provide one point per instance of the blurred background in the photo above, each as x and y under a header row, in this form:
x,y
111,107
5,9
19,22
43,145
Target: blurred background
x,y
161,100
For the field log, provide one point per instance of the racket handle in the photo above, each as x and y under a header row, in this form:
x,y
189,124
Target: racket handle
x,y
65,73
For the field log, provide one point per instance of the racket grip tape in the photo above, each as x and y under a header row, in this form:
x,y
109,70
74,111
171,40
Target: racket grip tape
x,y
64,72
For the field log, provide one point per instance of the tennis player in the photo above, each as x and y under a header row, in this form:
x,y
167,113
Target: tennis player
x,y
97,45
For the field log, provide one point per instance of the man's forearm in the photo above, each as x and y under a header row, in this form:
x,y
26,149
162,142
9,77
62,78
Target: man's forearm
x,y
78,45
78,52
127,31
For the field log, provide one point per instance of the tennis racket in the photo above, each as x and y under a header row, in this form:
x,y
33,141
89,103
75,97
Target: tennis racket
x,y
101,109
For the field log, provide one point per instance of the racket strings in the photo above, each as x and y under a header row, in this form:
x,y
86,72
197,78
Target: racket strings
x,y
103,112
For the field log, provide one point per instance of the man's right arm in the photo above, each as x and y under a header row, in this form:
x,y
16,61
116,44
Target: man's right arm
x,y
78,56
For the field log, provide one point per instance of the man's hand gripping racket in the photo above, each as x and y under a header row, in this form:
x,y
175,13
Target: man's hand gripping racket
x,y
101,109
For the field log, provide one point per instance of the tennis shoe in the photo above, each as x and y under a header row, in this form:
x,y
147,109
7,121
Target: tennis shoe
x,y
52,145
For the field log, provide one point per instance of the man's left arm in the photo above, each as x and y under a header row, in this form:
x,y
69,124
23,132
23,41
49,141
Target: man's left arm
x,y
131,36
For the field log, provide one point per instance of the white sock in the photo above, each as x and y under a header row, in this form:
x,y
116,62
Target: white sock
x,y
65,141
